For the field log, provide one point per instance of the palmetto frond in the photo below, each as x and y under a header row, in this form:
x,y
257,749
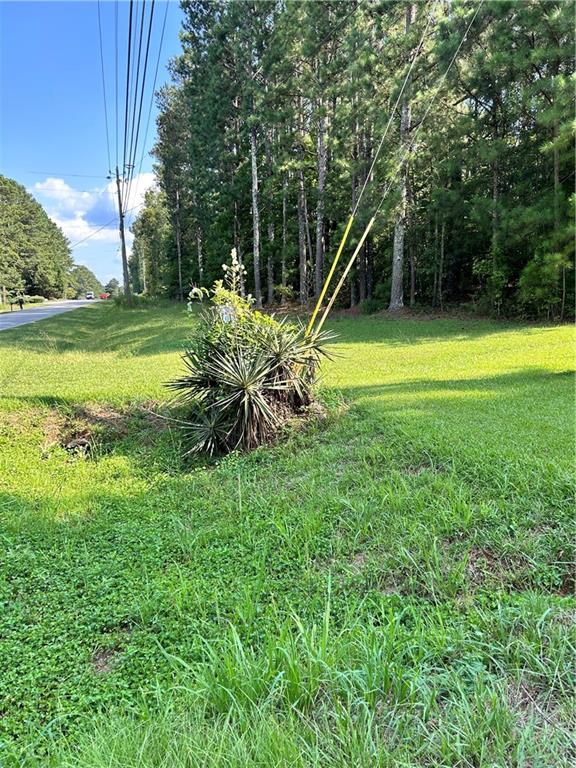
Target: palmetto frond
x,y
242,381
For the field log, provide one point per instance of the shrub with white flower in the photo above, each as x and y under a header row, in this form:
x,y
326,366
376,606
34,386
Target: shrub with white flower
x,y
246,372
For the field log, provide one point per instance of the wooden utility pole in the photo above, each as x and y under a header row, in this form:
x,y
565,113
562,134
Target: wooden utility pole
x,y
125,273
178,247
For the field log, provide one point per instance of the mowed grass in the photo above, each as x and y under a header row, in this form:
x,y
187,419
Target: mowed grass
x,y
391,586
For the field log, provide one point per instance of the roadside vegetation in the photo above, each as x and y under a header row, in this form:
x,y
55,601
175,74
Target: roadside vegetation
x,y
246,374
36,260
391,585
453,120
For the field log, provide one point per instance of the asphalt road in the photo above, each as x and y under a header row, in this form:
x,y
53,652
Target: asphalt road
x,y
39,312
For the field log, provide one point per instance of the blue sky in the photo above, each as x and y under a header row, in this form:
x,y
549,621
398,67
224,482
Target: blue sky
x,y
52,127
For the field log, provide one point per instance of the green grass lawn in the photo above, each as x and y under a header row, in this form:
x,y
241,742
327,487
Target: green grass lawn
x,y
391,586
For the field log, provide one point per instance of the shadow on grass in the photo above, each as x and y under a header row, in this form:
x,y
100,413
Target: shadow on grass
x,y
525,377
152,439
166,328
400,331
105,329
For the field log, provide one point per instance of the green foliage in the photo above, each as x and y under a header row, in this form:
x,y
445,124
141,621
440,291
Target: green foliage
x,y
81,280
320,695
285,293
149,263
135,301
392,586
35,255
246,373
112,287
34,299
540,282
370,306
490,172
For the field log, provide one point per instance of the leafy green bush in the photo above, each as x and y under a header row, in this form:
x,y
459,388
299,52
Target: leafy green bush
x,y
27,299
134,301
370,306
540,283
246,372
285,293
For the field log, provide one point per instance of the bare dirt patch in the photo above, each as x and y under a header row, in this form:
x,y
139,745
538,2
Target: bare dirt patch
x,y
511,571
80,428
104,416
418,469
12,421
359,560
104,660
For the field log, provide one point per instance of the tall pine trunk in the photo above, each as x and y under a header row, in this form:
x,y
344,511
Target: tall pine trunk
x,y
179,247
369,268
270,216
238,247
255,219
556,158
411,243
283,273
302,238
435,285
321,169
354,190
397,287
200,254
270,263
441,265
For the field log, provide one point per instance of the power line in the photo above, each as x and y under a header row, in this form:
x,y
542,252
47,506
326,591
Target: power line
x,y
152,93
120,190
126,110
57,173
132,160
104,87
133,91
116,70
93,234
135,88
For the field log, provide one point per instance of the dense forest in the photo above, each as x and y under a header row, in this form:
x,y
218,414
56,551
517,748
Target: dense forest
x,y
35,256
451,120
34,252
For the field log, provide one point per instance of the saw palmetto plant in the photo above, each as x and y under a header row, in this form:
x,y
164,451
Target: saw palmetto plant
x,y
246,374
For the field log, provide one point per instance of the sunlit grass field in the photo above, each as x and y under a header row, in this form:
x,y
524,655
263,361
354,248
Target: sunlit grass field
x,y
389,586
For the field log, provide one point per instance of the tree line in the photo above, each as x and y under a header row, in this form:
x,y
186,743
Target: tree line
x,y
35,256
269,132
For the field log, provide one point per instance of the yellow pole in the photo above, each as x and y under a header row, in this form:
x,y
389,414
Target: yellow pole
x,y
344,275
330,275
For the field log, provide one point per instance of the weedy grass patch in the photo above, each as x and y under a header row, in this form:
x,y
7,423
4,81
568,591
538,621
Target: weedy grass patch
x,y
390,586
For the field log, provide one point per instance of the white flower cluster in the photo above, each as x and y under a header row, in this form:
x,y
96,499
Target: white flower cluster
x,y
234,272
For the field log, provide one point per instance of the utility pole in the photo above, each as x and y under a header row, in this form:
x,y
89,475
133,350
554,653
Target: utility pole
x,y
178,248
125,274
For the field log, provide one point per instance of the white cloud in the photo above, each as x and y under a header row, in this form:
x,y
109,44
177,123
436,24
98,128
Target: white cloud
x,y
63,198
79,229
89,215
140,184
